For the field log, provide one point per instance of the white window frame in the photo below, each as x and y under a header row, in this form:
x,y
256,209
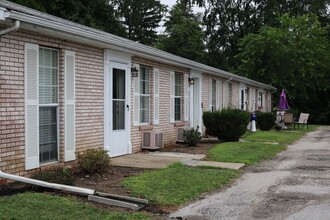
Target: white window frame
x,y
261,99
156,91
178,96
53,105
230,94
32,106
144,95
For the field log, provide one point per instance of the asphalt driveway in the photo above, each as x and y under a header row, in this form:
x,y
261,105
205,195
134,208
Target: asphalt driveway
x,y
294,185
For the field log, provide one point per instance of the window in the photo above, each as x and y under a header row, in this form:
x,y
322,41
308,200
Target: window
x,y
48,105
144,94
242,99
260,99
118,99
247,99
41,105
230,94
177,96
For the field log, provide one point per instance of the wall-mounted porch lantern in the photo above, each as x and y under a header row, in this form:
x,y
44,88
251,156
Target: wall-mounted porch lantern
x,y
134,71
191,81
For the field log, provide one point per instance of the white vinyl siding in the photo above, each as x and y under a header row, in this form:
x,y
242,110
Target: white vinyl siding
x,y
31,106
156,96
69,106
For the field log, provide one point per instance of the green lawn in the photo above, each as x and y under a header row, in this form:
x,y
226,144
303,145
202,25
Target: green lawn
x,y
178,184
42,206
244,152
260,145
284,136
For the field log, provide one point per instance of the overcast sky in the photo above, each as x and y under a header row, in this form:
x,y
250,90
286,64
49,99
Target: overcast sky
x,y
168,2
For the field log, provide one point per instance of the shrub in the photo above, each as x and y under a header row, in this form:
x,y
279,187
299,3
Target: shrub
x,y
265,120
191,136
94,161
227,124
208,120
59,175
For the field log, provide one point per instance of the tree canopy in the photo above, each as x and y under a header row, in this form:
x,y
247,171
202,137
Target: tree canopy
x,y
98,14
294,56
141,18
184,35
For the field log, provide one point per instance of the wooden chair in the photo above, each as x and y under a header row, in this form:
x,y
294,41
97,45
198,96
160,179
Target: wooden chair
x,y
303,120
288,118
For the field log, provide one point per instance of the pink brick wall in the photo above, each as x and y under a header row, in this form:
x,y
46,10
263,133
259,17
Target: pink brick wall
x,y
89,97
164,104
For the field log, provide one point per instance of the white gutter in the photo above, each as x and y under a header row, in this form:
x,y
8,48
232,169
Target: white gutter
x,y
223,91
114,42
11,29
73,189
4,14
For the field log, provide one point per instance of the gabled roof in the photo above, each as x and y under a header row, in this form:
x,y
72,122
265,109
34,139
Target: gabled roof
x,y
57,27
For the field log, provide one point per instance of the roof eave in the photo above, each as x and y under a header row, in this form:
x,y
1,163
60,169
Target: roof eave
x,y
108,41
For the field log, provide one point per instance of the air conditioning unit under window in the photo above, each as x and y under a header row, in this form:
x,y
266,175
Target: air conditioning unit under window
x,y
179,134
152,140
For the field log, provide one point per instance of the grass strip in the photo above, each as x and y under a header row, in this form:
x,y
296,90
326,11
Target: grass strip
x,y
284,136
31,205
178,184
244,152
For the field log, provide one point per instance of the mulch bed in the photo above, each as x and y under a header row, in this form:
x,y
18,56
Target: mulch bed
x,y
110,182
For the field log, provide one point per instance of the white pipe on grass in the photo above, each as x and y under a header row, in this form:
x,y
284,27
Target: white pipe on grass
x,y
74,189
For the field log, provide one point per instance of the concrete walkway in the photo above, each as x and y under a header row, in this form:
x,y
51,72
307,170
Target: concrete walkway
x,y
160,160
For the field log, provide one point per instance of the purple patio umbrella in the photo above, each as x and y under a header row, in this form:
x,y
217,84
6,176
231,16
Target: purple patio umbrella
x,y
283,105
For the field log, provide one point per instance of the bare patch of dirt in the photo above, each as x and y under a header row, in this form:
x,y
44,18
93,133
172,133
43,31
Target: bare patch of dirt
x,y
201,148
110,182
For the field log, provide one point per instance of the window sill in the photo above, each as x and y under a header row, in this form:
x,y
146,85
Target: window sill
x,y
179,124
146,127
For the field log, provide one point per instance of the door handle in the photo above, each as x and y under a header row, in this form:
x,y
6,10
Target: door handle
x,y
127,106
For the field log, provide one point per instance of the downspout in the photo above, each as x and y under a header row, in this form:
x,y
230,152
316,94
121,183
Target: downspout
x,y
223,91
11,29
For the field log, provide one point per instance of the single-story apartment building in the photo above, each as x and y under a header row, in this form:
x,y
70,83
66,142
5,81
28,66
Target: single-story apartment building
x,y
65,87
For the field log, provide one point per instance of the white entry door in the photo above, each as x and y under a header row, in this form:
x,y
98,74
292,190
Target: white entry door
x,y
119,140
195,105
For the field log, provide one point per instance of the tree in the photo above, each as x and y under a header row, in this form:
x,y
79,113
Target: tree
x,y
294,55
98,14
141,18
227,21
184,35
